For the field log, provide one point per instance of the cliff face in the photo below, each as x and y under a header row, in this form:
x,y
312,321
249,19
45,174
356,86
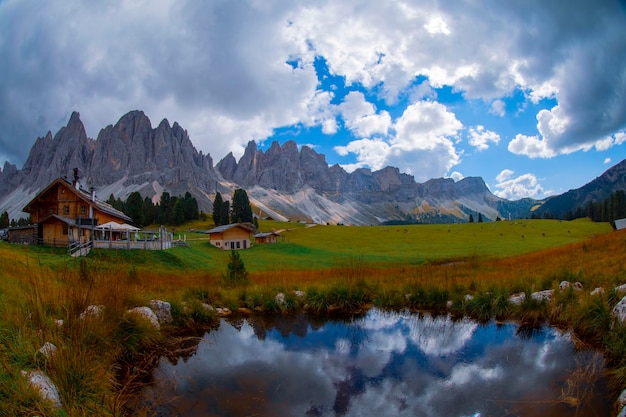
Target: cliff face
x,y
283,181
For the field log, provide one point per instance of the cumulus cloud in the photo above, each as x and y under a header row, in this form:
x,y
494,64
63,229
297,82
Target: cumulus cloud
x,y
369,153
531,146
361,117
479,137
515,188
422,143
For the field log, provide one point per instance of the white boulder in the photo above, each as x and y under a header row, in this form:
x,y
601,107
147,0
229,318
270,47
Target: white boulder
x,y
147,314
517,299
44,385
545,295
619,311
162,309
597,291
48,349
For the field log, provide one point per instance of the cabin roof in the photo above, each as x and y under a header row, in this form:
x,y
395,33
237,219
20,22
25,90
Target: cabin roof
x,y
266,234
83,195
220,229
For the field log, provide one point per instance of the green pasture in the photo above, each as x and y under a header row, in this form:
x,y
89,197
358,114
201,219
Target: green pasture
x,y
319,247
322,246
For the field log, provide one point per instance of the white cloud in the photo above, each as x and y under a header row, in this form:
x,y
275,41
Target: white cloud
x,y
607,161
457,176
480,138
421,92
361,117
321,112
531,146
498,108
514,188
219,68
422,144
369,153
504,175
437,26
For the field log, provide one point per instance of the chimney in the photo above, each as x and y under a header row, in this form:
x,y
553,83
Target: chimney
x,y
93,194
76,177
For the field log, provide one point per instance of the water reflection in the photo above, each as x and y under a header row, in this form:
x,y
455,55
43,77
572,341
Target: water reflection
x,y
381,364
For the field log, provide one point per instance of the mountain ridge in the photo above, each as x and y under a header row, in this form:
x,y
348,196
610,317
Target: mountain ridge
x,y
285,182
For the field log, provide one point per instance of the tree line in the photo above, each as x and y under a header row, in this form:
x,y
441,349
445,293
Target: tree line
x,y
610,209
169,210
22,221
239,212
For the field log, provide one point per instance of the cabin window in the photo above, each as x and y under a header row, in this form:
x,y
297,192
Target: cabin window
x,y
66,210
83,209
62,190
65,230
238,243
51,210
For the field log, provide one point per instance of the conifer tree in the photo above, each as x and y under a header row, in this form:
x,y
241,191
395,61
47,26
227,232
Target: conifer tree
x,y
241,212
217,209
236,273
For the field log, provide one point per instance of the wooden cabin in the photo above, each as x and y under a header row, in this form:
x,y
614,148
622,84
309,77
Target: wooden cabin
x,y
63,213
231,236
267,237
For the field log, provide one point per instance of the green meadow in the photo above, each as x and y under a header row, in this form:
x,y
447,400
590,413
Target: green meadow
x,y
459,269
302,247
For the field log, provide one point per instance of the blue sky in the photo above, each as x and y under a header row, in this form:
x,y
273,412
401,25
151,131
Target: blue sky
x,y
529,95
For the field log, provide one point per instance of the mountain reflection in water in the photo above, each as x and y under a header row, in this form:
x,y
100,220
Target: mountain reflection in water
x,y
380,364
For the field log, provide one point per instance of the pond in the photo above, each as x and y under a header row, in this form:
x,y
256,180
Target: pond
x,y
379,364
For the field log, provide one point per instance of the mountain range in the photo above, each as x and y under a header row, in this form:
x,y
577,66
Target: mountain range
x,y
285,182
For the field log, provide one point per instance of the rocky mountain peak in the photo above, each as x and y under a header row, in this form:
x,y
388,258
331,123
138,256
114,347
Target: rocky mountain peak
x,y
294,182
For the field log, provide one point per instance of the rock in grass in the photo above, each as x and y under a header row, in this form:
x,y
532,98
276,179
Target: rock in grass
x,y
44,385
619,311
147,314
223,311
597,291
517,299
162,309
48,349
621,288
578,286
545,295
92,312
280,299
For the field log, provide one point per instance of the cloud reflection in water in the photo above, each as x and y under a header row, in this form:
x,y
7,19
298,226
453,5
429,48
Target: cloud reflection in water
x,y
382,364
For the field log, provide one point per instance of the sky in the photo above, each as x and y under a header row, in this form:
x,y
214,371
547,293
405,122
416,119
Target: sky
x,y
530,95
